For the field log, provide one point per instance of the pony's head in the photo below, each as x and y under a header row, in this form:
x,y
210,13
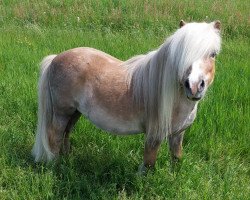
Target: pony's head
x,y
184,64
194,48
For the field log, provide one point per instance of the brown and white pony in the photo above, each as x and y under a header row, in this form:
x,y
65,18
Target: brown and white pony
x,y
156,93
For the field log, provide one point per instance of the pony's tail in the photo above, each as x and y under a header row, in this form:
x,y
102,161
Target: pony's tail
x,y
41,150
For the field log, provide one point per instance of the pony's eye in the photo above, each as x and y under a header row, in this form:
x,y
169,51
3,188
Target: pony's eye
x,y
212,55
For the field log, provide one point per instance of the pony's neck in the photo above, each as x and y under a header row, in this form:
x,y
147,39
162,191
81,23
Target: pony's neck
x,y
153,82
139,68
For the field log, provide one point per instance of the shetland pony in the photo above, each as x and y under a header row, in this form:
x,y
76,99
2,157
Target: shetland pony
x,y
156,93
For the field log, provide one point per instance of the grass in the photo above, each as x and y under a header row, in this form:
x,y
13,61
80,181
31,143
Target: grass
x,y
216,162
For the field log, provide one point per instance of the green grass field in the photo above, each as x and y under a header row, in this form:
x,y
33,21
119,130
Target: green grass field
x,y
216,162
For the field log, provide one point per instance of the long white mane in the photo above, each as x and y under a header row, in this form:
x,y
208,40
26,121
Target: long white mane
x,y
156,76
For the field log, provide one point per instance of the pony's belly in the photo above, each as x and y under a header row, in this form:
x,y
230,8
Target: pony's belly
x,y
114,124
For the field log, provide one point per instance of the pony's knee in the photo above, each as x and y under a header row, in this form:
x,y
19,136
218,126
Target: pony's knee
x,y
152,142
150,152
175,145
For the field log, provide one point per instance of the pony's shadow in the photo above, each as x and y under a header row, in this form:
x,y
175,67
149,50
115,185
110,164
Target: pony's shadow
x,y
90,169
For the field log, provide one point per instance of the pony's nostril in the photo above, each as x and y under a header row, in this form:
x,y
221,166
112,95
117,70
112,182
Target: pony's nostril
x,y
202,85
187,84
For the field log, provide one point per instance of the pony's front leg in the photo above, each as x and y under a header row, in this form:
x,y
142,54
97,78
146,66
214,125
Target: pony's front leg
x,y
175,145
150,155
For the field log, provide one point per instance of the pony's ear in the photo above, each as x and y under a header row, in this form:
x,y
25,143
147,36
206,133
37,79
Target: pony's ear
x,y
217,25
182,23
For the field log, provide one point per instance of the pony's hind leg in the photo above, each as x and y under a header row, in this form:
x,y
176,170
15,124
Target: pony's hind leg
x,y
72,121
56,130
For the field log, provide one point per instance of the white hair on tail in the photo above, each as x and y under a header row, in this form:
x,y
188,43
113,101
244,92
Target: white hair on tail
x,y
156,76
41,150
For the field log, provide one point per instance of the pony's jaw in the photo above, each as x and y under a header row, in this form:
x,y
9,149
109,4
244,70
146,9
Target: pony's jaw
x,y
198,78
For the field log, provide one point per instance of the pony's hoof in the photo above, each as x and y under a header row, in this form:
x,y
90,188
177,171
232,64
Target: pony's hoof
x,y
142,170
175,159
66,148
176,164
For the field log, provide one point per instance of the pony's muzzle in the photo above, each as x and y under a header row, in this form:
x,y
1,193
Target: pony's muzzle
x,y
194,91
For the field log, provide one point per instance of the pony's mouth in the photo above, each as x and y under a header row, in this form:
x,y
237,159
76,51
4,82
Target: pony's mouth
x,y
194,98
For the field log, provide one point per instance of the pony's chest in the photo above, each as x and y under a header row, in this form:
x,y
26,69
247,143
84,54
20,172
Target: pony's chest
x,y
183,118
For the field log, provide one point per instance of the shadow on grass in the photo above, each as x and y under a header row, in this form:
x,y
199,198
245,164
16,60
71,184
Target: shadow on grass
x,y
95,168
91,170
